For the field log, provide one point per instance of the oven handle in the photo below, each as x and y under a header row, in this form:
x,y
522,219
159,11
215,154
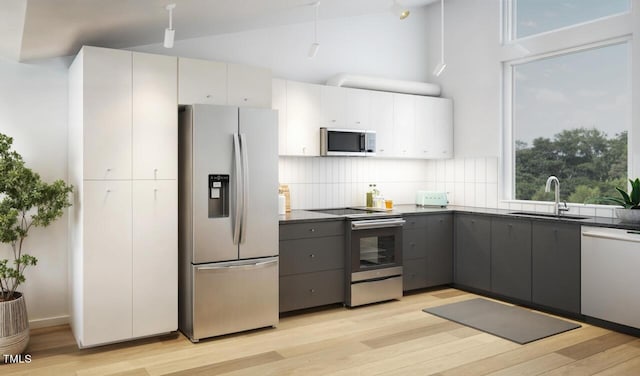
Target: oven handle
x,y
377,223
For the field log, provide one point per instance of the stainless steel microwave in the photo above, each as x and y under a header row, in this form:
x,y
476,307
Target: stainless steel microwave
x,y
347,142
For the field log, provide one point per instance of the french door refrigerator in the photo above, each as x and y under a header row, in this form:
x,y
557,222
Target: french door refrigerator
x,y
228,221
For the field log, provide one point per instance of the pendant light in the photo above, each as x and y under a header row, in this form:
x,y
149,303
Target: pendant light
x,y
315,46
169,33
441,65
399,11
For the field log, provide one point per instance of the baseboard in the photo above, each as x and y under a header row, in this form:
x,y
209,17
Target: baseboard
x,y
49,321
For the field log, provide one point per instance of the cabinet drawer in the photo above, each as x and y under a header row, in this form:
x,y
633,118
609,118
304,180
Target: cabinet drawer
x,y
311,255
414,244
311,229
414,274
311,290
415,221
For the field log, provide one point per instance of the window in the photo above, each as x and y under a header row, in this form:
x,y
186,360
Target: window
x,y
567,98
538,16
571,114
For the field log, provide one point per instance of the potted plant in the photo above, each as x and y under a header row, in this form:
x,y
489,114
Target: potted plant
x,y
25,201
630,202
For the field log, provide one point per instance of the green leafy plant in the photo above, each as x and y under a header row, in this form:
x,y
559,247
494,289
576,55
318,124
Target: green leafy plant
x,y
25,201
629,200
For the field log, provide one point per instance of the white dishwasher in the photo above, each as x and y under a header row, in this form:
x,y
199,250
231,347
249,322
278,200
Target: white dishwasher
x,y
610,275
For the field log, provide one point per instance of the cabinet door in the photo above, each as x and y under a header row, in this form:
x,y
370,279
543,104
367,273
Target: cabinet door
x,y
556,266
403,125
414,243
107,113
439,249
358,109
382,122
155,117
414,274
442,128
333,107
511,258
155,257
279,103
106,280
473,251
303,126
248,86
202,81
424,143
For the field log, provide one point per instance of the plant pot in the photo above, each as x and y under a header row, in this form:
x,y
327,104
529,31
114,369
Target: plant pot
x,y
628,215
14,326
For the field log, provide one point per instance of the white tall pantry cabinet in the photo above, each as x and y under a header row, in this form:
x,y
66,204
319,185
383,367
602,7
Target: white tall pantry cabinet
x,y
123,222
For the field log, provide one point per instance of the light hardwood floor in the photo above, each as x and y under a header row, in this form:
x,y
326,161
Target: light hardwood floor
x,y
393,338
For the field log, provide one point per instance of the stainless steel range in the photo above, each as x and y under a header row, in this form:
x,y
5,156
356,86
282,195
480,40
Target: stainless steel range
x,y
374,258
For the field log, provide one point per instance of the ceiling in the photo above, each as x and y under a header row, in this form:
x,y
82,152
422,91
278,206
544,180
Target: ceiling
x,y
37,29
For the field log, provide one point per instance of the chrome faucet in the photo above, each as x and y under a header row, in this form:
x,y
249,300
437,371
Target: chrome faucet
x,y
547,188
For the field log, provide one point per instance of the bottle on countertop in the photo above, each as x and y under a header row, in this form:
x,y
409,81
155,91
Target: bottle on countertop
x,y
369,201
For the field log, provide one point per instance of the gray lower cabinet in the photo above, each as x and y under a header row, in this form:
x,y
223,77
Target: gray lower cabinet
x,y
439,249
307,290
511,257
311,264
472,252
556,266
427,257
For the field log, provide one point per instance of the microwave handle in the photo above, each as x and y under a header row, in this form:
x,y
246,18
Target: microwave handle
x,y
363,144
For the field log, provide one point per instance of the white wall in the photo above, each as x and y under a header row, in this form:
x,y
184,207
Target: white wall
x,y
33,110
378,44
473,74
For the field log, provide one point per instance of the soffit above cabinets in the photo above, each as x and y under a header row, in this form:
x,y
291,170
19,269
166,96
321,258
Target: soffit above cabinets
x,y
44,28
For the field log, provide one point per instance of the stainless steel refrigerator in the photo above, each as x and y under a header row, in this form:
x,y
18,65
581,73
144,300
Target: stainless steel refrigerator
x,y
228,220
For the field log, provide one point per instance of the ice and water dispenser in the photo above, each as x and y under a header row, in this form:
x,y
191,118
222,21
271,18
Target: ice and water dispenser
x,y
218,196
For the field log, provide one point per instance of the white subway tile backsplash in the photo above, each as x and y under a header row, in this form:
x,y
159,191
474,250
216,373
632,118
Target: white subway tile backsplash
x,y
459,170
470,170
481,170
441,175
481,194
492,170
449,170
470,194
585,210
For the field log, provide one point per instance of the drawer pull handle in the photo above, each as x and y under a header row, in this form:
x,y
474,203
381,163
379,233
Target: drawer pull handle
x,y
312,255
413,244
312,291
312,229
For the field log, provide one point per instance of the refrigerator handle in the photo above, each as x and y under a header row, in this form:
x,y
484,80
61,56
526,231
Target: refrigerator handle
x,y
245,186
239,203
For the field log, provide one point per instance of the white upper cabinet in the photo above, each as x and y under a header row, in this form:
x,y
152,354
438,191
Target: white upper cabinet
x,y
382,122
434,128
443,128
202,81
279,103
106,96
248,86
303,125
155,117
404,125
155,240
333,107
358,104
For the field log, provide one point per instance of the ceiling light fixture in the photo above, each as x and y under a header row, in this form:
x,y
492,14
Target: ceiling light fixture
x,y
169,33
441,65
315,46
399,11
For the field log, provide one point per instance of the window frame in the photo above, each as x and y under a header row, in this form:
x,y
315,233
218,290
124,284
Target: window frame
x,y
598,33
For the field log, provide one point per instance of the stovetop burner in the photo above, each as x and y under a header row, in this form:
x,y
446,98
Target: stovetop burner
x,y
345,211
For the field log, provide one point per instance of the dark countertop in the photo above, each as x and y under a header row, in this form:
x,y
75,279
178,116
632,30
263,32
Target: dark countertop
x,y
310,216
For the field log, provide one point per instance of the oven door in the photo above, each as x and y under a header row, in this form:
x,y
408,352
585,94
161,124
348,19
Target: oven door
x,y
376,244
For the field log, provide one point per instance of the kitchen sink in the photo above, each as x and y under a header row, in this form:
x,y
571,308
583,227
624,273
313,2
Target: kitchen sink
x,y
545,215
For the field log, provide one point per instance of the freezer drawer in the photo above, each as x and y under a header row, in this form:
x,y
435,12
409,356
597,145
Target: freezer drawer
x,y
230,297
